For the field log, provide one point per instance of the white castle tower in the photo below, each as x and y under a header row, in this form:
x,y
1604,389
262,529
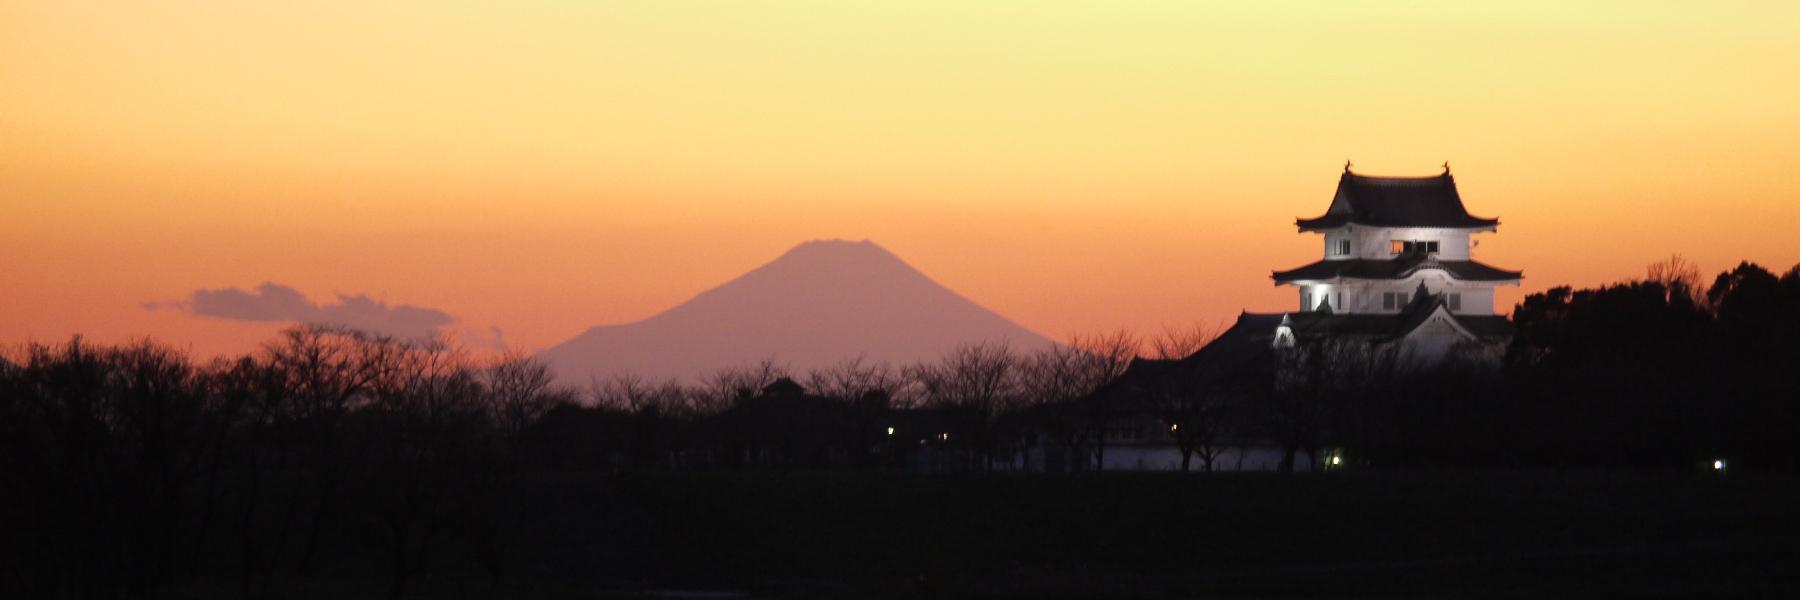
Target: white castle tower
x,y
1397,267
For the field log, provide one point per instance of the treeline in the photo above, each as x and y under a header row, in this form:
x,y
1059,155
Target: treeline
x,y
1667,370
332,455
979,407
337,455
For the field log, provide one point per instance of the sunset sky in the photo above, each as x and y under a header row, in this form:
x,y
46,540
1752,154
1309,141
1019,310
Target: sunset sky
x,y
542,167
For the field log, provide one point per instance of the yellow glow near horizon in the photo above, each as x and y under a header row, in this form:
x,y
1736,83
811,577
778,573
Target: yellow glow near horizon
x,y
547,166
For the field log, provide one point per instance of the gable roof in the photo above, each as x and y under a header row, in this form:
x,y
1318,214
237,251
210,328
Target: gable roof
x,y
1381,328
1399,267
1396,202
1237,355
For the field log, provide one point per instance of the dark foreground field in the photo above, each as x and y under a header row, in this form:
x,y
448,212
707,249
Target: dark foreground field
x,y
836,534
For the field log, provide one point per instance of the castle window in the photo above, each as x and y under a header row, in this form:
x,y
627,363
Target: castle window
x,y
1343,247
1406,247
1393,300
1305,301
1454,301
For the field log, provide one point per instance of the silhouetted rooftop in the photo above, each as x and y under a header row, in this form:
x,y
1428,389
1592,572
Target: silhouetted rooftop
x,y
783,386
1396,202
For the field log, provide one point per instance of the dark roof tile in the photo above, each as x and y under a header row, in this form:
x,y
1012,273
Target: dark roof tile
x,y
1396,202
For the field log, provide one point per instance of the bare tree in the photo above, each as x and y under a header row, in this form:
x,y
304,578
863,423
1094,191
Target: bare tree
x,y
327,373
655,410
852,379
520,390
1181,342
868,389
979,380
1679,277
1198,415
428,446
719,389
1101,359
1313,385
633,394
1064,388
1054,381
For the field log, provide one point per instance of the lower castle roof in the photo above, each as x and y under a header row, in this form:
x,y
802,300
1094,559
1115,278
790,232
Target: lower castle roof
x,y
1399,267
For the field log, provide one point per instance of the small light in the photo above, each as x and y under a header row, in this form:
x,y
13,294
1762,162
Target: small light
x,y
1337,460
944,437
1173,427
890,431
1718,465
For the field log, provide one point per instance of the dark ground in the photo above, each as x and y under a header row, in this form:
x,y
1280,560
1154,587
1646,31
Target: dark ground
x,y
1450,533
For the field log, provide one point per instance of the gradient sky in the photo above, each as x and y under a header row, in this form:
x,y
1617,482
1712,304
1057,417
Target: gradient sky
x,y
547,166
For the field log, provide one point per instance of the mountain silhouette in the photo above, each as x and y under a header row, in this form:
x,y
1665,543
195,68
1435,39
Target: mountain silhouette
x,y
822,302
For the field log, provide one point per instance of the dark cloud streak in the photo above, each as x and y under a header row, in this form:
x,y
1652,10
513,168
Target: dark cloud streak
x,y
271,302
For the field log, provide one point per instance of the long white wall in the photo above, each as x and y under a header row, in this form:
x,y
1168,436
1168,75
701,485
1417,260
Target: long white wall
x,y
1167,457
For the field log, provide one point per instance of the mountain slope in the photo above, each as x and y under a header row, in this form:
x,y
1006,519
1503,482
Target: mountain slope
x,y
819,303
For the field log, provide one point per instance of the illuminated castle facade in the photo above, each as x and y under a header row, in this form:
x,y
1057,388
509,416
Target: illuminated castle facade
x,y
1397,269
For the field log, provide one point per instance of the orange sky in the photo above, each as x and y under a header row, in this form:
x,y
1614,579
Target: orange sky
x,y
547,166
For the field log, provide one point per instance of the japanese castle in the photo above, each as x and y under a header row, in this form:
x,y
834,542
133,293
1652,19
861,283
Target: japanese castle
x,y
1397,279
1397,269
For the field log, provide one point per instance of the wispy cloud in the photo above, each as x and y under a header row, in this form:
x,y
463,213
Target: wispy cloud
x,y
272,302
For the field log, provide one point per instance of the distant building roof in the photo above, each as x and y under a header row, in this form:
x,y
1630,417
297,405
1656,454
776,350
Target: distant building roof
x,y
1238,354
1396,202
783,386
1399,267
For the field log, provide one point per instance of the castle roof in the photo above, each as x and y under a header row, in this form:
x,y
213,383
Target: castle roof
x,y
1399,267
1396,202
1379,328
1245,352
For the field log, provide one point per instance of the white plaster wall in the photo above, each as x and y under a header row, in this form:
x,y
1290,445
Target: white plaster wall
x,y
1376,242
1341,296
1360,297
1331,239
1477,300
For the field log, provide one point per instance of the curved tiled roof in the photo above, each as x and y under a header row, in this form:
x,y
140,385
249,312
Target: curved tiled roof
x,y
1242,358
1396,202
1313,325
1400,267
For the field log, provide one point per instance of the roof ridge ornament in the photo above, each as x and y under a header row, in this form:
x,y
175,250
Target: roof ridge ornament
x,y
1446,167
1347,165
